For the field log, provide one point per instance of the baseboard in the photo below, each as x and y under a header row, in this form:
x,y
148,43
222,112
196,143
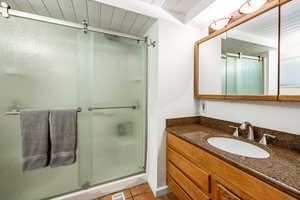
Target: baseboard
x,y
108,188
161,191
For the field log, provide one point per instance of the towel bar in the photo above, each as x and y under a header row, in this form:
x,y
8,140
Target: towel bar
x,y
18,112
106,108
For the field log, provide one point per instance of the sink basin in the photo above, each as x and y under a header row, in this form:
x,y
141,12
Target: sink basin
x,y
238,147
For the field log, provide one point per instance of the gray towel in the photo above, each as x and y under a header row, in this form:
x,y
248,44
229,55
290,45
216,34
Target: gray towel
x,y
63,134
35,138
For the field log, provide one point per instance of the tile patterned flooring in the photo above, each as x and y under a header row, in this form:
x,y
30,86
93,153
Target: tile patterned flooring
x,y
140,192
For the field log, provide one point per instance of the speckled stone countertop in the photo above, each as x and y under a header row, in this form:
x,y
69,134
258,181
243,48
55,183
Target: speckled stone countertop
x,y
281,169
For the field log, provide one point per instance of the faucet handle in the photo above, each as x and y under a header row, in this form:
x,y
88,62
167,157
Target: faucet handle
x,y
236,132
263,140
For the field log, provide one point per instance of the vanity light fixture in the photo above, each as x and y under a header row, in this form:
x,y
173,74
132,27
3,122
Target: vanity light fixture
x,y
220,23
251,6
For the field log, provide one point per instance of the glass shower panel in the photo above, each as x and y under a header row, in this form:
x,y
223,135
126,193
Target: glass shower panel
x,y
118,135
38,69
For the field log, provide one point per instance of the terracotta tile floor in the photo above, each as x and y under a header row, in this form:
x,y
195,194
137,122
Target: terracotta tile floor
x,y
140,192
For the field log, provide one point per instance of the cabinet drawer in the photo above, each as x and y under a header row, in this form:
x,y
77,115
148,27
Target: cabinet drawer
x,y
176,189
186,184
188,150
223,193
197,175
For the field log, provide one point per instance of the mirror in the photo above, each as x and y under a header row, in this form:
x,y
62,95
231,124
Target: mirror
x,y
242,61
251,55
290,51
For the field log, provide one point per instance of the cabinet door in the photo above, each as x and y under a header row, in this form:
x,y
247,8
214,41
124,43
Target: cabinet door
x,y
225,194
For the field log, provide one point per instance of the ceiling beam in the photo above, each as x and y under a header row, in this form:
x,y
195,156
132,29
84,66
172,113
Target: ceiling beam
x,y
197,9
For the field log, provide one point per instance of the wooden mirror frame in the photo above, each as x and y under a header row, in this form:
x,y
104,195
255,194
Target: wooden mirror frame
x,y
237,19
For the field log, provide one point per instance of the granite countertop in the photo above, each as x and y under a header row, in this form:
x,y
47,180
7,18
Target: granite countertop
x,y
281,169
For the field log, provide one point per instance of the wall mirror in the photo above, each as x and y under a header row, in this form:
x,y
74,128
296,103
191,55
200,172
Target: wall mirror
x,y
241,60
250,54
290,51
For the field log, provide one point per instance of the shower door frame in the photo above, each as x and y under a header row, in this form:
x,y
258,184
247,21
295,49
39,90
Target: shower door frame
x,y
83,27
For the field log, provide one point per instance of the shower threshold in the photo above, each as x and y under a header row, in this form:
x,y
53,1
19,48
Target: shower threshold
x,y
104,188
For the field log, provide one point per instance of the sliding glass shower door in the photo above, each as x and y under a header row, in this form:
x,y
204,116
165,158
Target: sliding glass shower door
x,y
48,66
112,89
38,70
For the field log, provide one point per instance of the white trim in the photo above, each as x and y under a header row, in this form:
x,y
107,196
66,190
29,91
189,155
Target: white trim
x,y
108,188
66,23
161,191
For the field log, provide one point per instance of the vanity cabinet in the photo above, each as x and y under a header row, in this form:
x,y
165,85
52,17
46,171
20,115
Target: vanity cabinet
x,y
195,174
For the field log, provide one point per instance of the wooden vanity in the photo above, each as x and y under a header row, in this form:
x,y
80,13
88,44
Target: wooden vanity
x,y
195,174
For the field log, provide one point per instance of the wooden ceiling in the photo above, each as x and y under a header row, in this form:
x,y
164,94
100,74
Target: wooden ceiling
x,y
97,14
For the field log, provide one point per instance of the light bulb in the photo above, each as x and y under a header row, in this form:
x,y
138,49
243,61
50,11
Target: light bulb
x,y
220,23
251,6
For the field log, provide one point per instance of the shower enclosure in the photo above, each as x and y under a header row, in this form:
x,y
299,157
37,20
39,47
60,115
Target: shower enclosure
x,y
48,66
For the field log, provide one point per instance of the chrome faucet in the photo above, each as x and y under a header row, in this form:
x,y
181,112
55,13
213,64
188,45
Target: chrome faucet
x,y
244,125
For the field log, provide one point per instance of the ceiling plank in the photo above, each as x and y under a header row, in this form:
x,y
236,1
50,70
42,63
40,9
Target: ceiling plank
x,y
106,16
145,28
39,7
25,5
197,9
13,4
117,19
140,21
93,13
128,21
81,10
139,7
185,6
32,8
170,4
53,8
68,10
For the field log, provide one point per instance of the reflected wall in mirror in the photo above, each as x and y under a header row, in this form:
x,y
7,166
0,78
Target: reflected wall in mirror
x,y
290,51
241,61
211,66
